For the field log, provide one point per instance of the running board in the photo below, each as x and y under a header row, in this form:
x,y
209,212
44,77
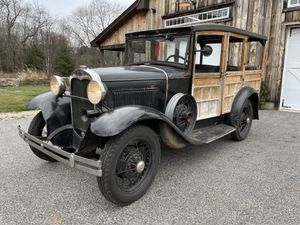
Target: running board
x,y
209,134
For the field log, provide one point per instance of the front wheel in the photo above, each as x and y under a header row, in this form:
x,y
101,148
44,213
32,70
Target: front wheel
x,y
244,122
129,163
38,129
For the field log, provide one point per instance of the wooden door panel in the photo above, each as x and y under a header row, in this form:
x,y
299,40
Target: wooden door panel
x,y
232,85
207,93
253,80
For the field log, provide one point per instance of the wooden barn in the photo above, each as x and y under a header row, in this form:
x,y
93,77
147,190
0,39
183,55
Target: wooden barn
x,y
279,20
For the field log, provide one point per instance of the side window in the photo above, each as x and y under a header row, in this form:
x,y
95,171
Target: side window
x,y
255,53
208,54
138,51
234,62
183,50
215,58
171,50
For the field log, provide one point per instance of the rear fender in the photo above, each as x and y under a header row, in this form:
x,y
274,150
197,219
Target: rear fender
x,y
246,93
56,112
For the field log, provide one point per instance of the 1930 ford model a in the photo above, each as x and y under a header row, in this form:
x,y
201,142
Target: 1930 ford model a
x,y
188,85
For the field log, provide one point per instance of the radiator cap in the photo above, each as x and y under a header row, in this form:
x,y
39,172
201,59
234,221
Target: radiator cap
x,y
83,67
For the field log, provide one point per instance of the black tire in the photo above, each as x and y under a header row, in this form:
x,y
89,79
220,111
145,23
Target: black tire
x,y
182,111
244,122
36,128
124,143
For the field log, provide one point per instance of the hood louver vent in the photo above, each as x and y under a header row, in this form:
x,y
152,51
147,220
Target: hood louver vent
x,y
140,96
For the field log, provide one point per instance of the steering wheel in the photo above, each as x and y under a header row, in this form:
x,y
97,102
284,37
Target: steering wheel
x,y
174,56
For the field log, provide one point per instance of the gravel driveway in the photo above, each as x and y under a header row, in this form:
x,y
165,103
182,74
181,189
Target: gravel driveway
x,y
252,182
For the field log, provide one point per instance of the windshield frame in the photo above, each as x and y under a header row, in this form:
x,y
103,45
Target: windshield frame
x,y
161,36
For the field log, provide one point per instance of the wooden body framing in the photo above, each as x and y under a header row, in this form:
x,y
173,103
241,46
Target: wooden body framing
x,y
215,92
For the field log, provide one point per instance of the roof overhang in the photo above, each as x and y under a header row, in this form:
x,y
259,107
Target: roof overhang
x,y
202,27
138,5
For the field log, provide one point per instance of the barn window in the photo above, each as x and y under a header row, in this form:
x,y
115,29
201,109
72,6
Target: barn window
x,y
293,3
202,17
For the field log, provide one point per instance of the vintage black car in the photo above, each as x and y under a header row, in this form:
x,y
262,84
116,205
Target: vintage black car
x,y
181,86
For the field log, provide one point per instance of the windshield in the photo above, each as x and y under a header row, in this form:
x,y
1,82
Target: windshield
x,y
167,49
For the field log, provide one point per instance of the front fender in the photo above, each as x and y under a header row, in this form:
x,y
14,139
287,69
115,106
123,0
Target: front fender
x,y
116,121
56,112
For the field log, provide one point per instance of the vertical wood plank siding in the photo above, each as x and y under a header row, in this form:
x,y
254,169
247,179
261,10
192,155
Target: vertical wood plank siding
x,y
267,17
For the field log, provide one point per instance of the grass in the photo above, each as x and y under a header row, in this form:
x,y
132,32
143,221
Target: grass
x,y
15,99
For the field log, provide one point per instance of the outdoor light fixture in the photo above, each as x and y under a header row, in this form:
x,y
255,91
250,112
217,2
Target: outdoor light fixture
x,y
186,4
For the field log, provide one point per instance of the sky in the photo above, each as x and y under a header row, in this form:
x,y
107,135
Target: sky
x,y
60,8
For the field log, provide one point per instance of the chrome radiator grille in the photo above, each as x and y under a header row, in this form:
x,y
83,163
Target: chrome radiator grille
x,y
79,89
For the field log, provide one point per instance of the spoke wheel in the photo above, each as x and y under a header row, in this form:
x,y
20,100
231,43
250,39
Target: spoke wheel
x,y
244,122
133,164
182,110
129,163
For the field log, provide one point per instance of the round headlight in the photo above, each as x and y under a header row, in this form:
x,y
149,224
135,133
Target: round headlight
x,y
58,85
96,91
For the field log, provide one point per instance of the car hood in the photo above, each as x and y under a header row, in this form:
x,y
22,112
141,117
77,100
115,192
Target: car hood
x,y
140,72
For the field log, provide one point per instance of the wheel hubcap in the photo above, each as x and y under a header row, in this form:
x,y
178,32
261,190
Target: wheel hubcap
x,y
248,120
133,164
140,166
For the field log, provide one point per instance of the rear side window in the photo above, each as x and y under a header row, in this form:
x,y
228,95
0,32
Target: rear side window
x,y
255,56
235,51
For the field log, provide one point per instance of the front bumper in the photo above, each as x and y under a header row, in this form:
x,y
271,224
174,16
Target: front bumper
x,y
87,165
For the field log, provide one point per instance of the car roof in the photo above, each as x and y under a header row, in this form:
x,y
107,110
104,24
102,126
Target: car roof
x,y
201,27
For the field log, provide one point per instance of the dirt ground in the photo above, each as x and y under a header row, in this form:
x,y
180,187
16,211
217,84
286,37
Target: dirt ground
x,y
19,115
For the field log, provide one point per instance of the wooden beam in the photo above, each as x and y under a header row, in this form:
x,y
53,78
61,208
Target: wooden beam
x,y
117,47
199,10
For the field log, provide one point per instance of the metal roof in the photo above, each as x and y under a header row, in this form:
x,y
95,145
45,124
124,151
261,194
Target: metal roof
x,y
202,27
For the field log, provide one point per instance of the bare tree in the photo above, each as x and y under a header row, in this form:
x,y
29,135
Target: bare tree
x,y
19,22
87,22
26,26
10,12
32,20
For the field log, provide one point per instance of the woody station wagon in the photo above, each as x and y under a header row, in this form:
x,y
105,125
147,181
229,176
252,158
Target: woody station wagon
x,y
180,86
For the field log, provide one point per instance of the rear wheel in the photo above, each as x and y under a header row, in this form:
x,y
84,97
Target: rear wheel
x,y
244,122
129,163
38,129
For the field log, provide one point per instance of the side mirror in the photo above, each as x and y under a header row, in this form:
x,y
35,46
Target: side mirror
x,y
207,50
169,37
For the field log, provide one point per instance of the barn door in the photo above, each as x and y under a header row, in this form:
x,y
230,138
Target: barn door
x,y
290,98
